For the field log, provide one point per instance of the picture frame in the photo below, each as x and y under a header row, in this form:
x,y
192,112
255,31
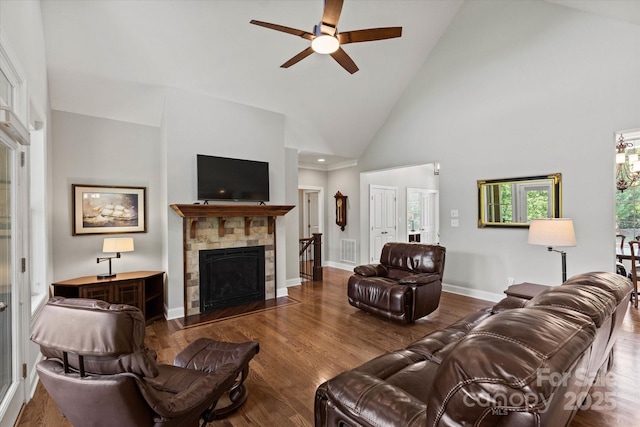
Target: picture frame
x,y
102,209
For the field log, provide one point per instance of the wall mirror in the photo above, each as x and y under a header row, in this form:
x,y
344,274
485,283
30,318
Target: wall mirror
x,y
513,202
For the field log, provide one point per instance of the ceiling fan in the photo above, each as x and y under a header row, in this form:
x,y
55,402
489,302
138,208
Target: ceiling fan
x,y
326,39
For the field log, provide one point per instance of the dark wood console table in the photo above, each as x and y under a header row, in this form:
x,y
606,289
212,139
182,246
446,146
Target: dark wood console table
x,y
141,289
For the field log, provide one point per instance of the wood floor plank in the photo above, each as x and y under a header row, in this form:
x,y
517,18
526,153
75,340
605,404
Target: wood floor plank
x,y
304,344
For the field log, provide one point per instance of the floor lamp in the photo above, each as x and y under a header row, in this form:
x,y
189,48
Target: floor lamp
x,y
552,232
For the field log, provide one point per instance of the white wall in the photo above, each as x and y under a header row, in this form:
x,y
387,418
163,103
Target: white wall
x,y
291,219
96,151
347,181
515,89
197,124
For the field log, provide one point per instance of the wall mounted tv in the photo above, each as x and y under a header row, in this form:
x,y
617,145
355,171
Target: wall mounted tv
x,y
222,178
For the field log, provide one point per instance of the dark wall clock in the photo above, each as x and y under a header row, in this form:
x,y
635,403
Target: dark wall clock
x,y
341,210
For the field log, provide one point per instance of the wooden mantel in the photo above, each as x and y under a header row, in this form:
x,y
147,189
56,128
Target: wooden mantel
x,y
195,211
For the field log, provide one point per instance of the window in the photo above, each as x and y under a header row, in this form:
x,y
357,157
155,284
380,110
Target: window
x,y
628,212
628,201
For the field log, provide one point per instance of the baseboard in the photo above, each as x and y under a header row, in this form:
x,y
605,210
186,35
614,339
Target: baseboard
x,y
341,266
292,282
282,292
33,377
174,313
475,293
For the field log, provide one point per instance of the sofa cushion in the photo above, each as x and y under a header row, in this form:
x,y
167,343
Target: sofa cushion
x,y
592,301
378,292
477,375
435,345
413,258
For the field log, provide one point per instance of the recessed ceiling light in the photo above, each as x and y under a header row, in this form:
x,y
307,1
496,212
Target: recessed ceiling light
x,y
321,160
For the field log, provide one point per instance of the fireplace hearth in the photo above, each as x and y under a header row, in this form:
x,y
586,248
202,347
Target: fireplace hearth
x,y
231,277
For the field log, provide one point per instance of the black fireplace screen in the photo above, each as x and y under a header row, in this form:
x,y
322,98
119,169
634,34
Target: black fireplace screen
x,y
230,277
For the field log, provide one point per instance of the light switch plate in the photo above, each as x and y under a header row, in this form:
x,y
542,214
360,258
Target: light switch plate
x,y
454,222
454,213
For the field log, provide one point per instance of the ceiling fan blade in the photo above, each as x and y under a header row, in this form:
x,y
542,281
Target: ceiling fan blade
x,y
299,57
345,60
331,14
289,30
370,34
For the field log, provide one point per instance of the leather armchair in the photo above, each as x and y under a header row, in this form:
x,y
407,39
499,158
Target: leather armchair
x,y
100,373
405,285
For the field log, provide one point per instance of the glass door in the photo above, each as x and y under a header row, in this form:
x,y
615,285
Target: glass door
x,y
10,383
422,215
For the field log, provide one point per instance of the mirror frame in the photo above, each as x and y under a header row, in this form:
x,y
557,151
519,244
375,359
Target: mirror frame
x,y
554,179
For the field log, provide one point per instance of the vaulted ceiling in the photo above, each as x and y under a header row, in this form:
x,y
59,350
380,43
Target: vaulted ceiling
x,y
111,59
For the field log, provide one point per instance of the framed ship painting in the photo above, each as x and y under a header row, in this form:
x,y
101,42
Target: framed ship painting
x,y
99,209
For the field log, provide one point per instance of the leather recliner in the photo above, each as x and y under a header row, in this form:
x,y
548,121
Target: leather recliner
x,y
405,285
100,373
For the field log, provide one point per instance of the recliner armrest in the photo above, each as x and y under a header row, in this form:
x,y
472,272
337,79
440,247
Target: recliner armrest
x,y
420,279
371,270
365,397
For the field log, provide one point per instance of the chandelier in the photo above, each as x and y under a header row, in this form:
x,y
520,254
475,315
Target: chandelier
x,y
627,165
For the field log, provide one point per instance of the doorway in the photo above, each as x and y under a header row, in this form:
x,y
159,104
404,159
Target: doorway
x,y
421,176
422,208
311,220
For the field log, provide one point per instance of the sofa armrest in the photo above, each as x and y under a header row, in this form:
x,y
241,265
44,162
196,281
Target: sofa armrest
x,y
420,279
371,270
365,397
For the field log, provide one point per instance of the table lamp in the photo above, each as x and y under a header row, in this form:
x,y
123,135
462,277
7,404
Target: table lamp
x,y
114,245
552,232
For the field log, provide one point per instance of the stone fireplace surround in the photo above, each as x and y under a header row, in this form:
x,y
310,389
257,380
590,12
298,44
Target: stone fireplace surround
x,y
226,226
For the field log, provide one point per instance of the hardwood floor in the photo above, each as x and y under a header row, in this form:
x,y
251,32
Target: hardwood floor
x,y
306,343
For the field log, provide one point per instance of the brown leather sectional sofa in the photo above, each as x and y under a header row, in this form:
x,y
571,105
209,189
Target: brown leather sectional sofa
x,y
405,285
519,363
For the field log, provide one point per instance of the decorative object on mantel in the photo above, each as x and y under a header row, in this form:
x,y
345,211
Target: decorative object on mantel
x,y
552,232
341,210
195,211
627,164
100,209
114,245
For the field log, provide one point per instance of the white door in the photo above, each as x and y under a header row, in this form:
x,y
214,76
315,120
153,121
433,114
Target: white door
x,y
429,227
382,218
12,322
312,218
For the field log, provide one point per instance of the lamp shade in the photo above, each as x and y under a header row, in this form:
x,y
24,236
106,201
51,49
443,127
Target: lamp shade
x,y
121,244
552,232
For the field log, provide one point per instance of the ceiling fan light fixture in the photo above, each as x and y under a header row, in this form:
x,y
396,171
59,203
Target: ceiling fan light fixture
x,y
325,44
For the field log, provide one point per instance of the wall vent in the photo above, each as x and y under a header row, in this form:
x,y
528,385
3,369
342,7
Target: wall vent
x,y
348,250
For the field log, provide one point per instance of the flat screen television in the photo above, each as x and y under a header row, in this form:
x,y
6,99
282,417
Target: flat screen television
x,y
222,178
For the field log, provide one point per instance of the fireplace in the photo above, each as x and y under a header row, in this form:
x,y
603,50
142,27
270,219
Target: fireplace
x,y
214,226
231,276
